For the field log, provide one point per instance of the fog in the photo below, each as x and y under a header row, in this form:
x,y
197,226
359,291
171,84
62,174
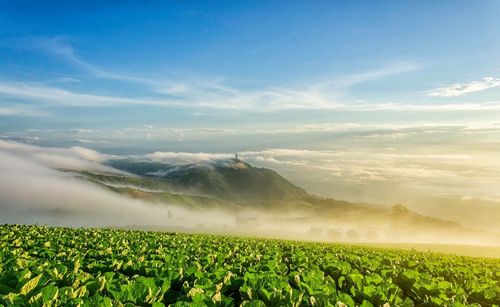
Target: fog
x,y
33,190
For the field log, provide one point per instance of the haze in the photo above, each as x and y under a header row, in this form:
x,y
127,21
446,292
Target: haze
x,y
397,107
36,188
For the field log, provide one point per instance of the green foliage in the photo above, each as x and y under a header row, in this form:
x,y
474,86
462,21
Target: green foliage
x,y
230,180
42,266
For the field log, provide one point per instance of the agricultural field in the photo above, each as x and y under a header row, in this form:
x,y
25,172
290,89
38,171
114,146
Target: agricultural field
x,y
108,267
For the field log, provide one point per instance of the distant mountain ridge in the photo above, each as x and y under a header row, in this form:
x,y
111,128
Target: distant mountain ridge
x,y
237,187
230,180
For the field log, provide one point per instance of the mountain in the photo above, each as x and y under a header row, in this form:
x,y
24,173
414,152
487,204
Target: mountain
x,y
229,180
241,189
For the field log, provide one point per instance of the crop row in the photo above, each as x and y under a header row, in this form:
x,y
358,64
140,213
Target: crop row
x,y
106,267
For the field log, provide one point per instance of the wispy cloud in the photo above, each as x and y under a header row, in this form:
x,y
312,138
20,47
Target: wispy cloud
x,y
428,107
216,93
21,110
220,98
42,94
338,133
455,90
212,92
435,172
75,157
195,91
390,69
59,47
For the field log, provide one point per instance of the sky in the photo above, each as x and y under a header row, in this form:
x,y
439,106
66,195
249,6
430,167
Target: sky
x,y
363,100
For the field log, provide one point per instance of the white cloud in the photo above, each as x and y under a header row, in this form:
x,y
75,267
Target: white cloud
x,y
186,157
391,69
21,110
260,100
32,192
263,100
59,47
386,170
195,91
368,169
217,93
37,93
339,133
382,130
84,141
359,172
73,158
390,106
466,88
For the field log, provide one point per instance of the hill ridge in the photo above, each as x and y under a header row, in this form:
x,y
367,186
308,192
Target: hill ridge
x,y
231,180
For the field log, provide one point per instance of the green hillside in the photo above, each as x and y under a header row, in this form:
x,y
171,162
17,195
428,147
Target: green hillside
x,y
232,180
238,188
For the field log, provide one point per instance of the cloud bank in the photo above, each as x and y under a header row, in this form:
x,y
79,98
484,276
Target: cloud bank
x,y
412,164
32,190
71,158
456,90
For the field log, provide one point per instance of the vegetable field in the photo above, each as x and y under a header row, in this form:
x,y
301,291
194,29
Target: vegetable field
x,y
104,267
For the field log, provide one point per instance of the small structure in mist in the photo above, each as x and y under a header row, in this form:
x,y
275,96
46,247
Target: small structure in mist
x,y
246,219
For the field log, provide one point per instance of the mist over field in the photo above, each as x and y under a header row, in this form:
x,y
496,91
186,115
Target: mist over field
x,y
36,187
351,122
33,191
413,165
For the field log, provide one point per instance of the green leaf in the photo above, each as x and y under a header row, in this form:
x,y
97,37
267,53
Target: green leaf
x,y
366,303
80,292
30,285
36,299
49,293
15,299
345,298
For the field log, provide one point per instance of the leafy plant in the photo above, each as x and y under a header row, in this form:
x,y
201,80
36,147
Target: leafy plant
x,y
41,266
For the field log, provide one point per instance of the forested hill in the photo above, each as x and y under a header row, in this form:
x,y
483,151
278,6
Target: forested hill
x,y
230,180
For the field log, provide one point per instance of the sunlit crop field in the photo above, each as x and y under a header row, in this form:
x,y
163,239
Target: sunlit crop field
x,y
92,267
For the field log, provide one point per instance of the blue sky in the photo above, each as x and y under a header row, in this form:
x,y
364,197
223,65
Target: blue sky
x,y
380,101
243,66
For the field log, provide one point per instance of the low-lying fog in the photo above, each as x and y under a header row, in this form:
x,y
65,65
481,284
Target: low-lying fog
x,y
33,191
